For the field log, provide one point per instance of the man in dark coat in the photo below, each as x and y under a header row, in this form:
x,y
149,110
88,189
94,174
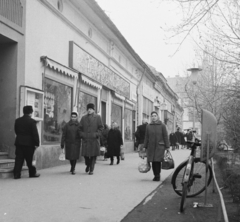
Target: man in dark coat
x,y
173,140
27,140
90,128
140,135
189,137
156,142
71,140
179,138
115,143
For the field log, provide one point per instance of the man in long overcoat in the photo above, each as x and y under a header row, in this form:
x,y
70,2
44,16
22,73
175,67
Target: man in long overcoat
x,y
71,140
27,140
156,142
173,140
90,128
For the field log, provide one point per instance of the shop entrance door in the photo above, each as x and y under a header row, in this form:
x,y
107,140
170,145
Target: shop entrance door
x,y
104,112
8,92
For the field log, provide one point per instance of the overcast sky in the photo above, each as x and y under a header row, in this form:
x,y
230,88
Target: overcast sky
x,y
141,23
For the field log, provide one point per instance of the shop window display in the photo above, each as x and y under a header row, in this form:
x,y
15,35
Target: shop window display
x,y
57,110
117,115
128,124
83,100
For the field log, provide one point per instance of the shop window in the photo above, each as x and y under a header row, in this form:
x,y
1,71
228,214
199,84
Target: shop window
x,y
117,115
83,100
57,110
147,108
128,124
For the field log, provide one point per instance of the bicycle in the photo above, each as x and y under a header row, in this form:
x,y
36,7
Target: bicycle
x,y
188,179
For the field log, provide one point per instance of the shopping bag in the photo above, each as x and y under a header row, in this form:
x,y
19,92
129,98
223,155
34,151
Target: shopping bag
x,y
102,150
62,156
142,153
144,166
168,162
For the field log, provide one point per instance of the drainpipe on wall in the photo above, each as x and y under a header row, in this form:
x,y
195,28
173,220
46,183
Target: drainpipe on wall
x,y
137,114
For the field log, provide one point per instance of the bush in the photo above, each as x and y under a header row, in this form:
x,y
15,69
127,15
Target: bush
x,y
231,175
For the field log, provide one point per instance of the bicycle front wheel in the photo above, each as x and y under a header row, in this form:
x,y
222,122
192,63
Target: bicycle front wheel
x,y
197,179
184,195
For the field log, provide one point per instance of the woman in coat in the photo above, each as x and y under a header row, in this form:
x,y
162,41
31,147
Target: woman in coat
x,y
156,142
71,141
114,142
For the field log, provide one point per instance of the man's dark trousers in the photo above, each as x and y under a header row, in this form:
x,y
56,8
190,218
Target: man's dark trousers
x,y
24,153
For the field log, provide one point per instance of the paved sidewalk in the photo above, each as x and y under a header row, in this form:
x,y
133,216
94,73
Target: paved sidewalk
x,y
57,196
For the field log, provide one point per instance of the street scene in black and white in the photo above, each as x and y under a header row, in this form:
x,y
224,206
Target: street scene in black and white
x,y
119,111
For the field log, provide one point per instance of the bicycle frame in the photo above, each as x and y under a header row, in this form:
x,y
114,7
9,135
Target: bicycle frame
x,y
190,164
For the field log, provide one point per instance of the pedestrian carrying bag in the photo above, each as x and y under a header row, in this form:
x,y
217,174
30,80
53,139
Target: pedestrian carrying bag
x,y
168,162
102,150
62,156
144,166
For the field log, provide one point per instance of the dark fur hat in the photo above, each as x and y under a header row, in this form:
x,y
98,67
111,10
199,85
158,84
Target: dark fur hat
x,y
154,112
27,110
90,106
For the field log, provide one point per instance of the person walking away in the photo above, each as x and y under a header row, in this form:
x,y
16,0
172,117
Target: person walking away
x,y
27,140
156,142
90,129
179,138
115,143
71,141
183,142
173,140
140,135
189,137
103,139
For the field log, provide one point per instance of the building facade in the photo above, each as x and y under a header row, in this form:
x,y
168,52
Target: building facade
x,y
65,55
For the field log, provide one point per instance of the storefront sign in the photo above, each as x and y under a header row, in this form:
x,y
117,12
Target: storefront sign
x,y
88,65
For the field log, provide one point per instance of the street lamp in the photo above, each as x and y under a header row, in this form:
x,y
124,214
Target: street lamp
x,y
193,76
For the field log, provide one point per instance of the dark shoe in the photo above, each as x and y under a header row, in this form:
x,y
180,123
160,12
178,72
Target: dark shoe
x,y
118,161
156,179
111,163
17,178
36,175
90,173
73,172
87,169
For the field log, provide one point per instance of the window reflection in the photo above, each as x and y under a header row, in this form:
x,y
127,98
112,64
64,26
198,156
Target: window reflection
x,y
57,110
117,115
128,124
83,100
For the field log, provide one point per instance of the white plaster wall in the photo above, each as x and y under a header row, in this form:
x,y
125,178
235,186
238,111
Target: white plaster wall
x,y
48,35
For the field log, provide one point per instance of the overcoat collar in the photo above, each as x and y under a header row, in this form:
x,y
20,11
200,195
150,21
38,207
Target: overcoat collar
x,y
73,123
158,122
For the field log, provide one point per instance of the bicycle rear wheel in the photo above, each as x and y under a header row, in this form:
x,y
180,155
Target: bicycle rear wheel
x,y
184,195
197,180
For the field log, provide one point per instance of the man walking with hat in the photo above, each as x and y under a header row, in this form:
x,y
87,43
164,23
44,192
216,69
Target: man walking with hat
x,y
27,140
90,132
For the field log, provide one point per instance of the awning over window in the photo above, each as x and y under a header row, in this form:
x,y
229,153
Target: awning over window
x,y
90,82
60,68
130,102
119,96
